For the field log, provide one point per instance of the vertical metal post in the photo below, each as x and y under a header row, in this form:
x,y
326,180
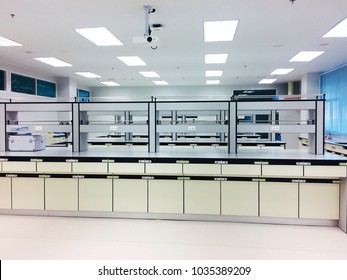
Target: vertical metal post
x,y
222,122
232,127
3,127
128,119
153,136
79,140
316,140
174,122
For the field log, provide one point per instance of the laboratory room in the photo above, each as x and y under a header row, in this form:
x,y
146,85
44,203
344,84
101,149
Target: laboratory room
x,y
173,129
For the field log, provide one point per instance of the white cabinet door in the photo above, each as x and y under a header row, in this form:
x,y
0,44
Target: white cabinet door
x,y
165,196
201,169
61,194
89,167
325,171
130,195
241,169
127,168
279,199
95,195
54,167
5,193
239,198
202,197
18,166
283,170
164,168
28,193
319,201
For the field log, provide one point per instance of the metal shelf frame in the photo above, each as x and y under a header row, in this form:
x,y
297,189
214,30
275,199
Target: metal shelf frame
x,y
225,122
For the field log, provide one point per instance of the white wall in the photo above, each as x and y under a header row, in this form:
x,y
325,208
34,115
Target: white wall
x,y
176,91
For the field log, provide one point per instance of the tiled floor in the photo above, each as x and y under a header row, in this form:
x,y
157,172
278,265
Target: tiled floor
x,y
30,237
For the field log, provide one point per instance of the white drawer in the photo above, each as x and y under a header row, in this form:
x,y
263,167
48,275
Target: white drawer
x,y
283,170
201,169
18,166
325,171
164,168
89,167
241,169
54,167
127,168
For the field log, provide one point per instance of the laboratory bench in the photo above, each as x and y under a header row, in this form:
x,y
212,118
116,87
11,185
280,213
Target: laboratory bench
x,y
266,186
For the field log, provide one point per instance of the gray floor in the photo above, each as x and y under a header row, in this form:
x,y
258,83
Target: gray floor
x,y
31,237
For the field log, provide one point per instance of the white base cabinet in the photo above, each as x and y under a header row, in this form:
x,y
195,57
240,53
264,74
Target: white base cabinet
x,y
28,193
61,194
95,195
5,193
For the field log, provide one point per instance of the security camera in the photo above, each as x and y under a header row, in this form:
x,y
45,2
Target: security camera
x,y
149,39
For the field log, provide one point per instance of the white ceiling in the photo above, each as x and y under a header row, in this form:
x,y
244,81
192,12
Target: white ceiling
x,y
270,32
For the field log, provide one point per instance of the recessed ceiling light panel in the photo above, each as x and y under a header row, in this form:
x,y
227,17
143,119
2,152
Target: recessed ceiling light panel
x,y
88,75
132,60
282,71
267,81
305,56
110,83
161,83
53,61
149,74
4,42
219,31
100,36
216,58
214,73
338,31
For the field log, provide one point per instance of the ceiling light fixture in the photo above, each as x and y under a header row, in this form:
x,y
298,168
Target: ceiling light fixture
x,y
305,56
214,73
4,42
220,31
212,82
53,61
267,81
282,71
132,60
100,36
110,83
161,83
215,58
338,31
149,74
88,75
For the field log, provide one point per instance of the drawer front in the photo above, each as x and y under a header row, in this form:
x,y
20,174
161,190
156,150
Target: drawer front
x,y
127,168
89,167
283,170
164,168
325,171
201,169
54,167
241,169
18,166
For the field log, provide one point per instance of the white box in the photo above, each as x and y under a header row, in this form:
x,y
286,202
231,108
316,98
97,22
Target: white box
x,y
26,143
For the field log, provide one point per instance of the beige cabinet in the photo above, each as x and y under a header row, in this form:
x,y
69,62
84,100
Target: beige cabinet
x,y
95,194
28,193
165,196
89,167
241,169
19,166
319,201
325,171
164,168
54,167
283,170
201,169
279,199
5,193
239,198
127,168
202,197
130,195
61,194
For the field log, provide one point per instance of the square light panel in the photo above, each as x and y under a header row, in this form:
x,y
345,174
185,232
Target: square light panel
x,y
214,73
110,84
100,36
215,58
339,30
4,42
161,83
267,81
212,82
305,56
53,61
132,60
149,74
282,71
220,31
88,75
